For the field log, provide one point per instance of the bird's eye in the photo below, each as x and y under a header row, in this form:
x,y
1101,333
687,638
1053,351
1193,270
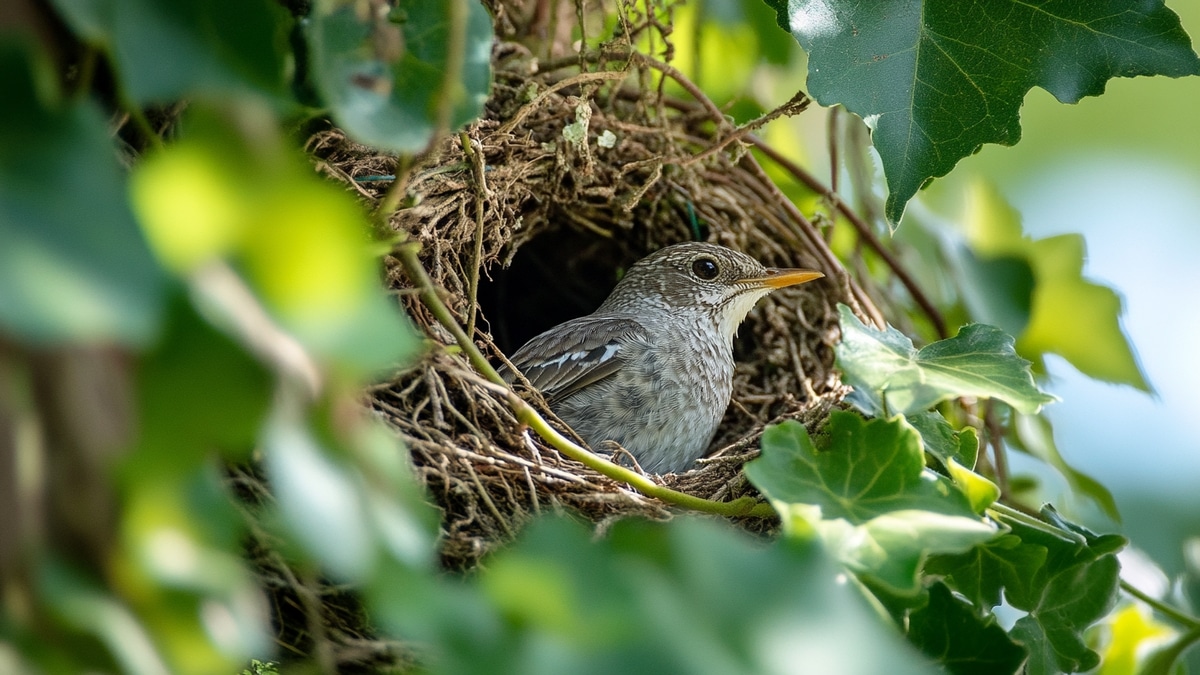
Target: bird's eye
x,y
705,268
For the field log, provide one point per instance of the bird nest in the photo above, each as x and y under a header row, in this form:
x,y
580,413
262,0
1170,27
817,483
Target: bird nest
x,y
570,176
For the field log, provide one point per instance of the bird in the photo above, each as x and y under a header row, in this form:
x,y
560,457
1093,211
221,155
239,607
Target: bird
x,y
652,368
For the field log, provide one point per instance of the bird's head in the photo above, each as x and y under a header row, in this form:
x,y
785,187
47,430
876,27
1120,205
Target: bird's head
x,y
701,278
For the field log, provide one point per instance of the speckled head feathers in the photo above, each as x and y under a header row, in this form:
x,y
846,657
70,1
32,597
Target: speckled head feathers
x,y
698,276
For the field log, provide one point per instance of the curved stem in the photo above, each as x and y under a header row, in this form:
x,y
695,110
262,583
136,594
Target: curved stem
x,y
526,414
1185,620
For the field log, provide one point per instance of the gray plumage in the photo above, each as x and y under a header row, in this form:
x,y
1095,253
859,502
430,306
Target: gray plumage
x,y
652,368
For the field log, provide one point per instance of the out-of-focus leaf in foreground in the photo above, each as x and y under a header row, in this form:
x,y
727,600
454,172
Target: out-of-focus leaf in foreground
x,y
71,268
385,76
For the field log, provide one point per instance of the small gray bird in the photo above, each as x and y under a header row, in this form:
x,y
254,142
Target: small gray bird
x,y
652,368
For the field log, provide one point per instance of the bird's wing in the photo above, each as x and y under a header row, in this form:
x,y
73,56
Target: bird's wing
x,y
576,353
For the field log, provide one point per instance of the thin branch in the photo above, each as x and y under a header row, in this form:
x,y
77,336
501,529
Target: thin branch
x,y
452,88
795,106
834,154
395,193
864,231
1185,620
996,439
474,151
601,76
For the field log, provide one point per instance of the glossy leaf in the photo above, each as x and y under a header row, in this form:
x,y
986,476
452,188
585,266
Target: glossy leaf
x,y
868,495
1076,587
73,267
936,79
982,573
947,629
384,76
895,377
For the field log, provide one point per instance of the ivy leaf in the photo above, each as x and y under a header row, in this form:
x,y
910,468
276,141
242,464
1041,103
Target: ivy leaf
x,y
385,76
1077,586
894,377
1075,599
948,630
1069,315
943,441
936,79
982,573
867,495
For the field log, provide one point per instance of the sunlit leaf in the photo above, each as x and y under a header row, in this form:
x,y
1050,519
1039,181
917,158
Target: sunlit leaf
x,y
384,76
1070,316
1132,630
897,378
980,491
73,265
936,79
302,243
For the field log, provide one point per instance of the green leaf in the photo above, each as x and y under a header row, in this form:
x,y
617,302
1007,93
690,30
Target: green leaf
x,y
73,265
963,643
385,77
1053,630
302,243
894,377
656,598
1133,629
198,393
942,441
980,491
1070,316
936,79
868,468
1077,586
1007,562
868,495
164,51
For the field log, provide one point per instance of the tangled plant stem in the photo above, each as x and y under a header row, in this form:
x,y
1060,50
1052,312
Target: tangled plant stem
x,y
407,252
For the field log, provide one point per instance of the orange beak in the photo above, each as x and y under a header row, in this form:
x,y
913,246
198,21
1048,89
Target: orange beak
x,y
780,278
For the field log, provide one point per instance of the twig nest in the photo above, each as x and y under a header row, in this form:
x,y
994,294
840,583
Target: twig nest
x,y
573,177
